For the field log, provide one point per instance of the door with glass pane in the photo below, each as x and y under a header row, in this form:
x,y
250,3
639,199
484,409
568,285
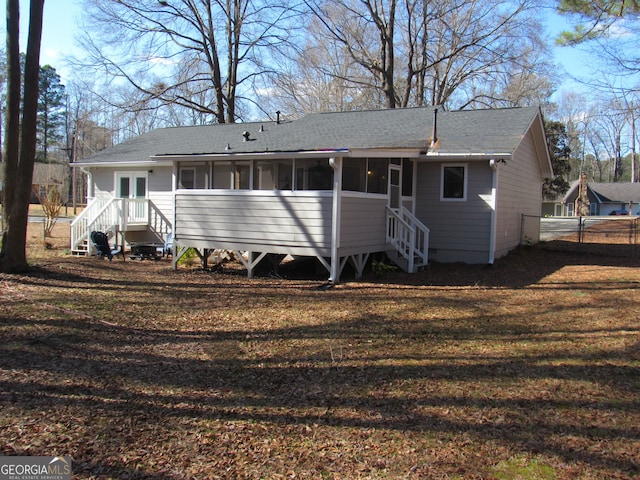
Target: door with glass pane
x,y
132,189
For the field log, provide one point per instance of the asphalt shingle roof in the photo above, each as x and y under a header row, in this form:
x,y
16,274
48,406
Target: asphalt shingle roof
x,y
617,192
459,132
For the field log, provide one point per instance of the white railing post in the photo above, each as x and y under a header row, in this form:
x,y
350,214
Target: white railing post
x,y
123,214
412,249
408,236
80,225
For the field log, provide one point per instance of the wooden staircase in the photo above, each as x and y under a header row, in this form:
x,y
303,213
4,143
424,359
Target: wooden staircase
x,y
115,217
407,240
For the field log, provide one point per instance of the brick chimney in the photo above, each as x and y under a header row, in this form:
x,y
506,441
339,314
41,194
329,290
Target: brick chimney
x,y
582,201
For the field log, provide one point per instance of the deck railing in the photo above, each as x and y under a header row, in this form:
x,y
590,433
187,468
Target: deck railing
x,y
409,237
112,215
157,222
97,210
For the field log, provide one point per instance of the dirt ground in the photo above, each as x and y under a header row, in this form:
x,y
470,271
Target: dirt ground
x,y
526,370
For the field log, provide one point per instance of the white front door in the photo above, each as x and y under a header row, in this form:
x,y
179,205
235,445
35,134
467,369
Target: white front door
x,y
131,185
132,188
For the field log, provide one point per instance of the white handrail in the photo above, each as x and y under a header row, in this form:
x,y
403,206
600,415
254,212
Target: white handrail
x,y
409,236
158,223
80,225
109,214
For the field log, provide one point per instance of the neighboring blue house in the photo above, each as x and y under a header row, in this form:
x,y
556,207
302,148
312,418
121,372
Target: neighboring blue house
x,y
606,198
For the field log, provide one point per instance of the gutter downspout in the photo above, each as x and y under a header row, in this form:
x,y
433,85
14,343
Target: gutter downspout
x,y
174,186
90,189
493,163
336,164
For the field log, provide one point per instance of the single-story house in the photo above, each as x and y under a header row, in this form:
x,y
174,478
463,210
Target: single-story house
x,y
606,198
417,183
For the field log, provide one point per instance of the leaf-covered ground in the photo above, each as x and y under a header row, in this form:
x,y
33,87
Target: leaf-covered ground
x,y
526,370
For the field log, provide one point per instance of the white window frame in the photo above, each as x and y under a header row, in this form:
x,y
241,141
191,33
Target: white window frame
x,y
465,182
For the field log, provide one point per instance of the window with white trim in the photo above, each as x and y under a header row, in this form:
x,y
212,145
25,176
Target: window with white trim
x,y
453,186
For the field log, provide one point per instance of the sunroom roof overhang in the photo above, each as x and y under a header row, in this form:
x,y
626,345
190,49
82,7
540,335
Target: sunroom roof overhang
x,y
468,156
152,162
327,153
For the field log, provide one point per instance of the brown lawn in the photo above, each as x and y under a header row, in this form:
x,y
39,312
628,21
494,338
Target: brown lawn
x,y
528,370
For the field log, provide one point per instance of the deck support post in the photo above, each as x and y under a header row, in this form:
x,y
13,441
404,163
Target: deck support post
x,y
251,261
178,253
204,257
493,231
359,261
336,164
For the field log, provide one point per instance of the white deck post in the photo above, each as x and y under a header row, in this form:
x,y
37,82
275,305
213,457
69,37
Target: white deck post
x,y
494,204
336,164
174,186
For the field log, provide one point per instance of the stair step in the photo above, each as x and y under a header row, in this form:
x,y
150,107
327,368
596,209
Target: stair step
x,y
402,262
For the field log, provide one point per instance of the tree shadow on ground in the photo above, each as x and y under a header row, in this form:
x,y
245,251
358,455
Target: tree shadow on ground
x,y
379,362
116,372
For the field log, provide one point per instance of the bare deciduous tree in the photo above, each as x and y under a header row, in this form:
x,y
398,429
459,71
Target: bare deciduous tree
x,y
318,79
199,55
421,52
51,202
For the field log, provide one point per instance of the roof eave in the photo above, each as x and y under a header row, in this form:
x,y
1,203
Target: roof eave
x,y
338,152
153,161
465,155
245,155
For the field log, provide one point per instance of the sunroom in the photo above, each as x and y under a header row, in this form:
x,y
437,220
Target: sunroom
x,y
336,206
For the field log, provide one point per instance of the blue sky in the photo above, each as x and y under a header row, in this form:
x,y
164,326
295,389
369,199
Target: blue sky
x,y
61,18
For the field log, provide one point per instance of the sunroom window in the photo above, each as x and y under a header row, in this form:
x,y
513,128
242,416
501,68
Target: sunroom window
x,y
313,174
232,175
187,178
377,175
366,175
272,175
407,178
354,175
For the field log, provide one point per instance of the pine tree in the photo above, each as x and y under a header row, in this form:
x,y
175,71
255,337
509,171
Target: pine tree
x,y
51,113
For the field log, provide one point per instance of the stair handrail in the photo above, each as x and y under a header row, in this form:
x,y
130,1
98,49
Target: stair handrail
x,y
110,214
79,225
107,219
422,236
158,223
409,236
104,220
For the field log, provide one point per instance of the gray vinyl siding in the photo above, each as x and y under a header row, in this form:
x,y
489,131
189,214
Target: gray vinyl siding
x,y
519,193
103,182
459,230
158,186
298,223
363,224
159,190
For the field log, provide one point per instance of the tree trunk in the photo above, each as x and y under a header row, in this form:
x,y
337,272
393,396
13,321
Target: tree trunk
x,y
20,152
12,112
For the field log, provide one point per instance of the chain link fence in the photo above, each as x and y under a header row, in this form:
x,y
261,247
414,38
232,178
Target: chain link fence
x,y
613,235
